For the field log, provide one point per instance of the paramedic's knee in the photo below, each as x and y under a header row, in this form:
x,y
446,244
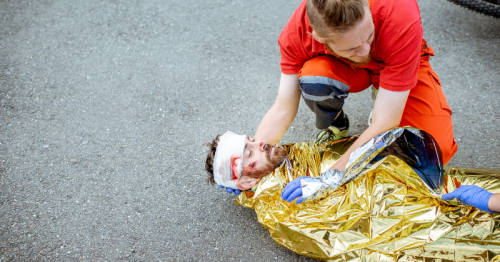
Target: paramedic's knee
x,y
338,73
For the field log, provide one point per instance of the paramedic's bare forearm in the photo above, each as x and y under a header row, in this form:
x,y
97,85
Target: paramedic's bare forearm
x,y
494,203
277,120
387,114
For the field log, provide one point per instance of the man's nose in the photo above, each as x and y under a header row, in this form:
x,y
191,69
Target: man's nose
x,y
363,50
261,145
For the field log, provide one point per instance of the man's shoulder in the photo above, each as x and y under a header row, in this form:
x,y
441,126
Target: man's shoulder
x,y
298,22
395,11
296,42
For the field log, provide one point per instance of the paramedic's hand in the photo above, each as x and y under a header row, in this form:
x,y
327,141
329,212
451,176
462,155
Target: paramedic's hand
x,y
230,190
293,190
472,196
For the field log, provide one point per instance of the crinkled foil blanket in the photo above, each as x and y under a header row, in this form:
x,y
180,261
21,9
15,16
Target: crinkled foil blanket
x,y
386,213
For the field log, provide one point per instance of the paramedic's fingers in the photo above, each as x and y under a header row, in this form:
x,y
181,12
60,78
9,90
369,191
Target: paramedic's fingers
x,y
299,200
463,193
294,195
471,195
291,187
451,195
230,190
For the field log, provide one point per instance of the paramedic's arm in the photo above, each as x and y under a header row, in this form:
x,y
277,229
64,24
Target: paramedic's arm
x,y
277,120
387,114
494,203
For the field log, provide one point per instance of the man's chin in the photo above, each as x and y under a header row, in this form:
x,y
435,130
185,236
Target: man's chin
x,y
279,155
361,62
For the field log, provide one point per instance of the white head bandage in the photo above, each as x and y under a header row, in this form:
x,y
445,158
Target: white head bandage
x,y
228,159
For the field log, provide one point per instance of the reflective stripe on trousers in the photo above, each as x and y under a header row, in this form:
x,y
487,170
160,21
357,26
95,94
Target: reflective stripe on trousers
x,y
324,96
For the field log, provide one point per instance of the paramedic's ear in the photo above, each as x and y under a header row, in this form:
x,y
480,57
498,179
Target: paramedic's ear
x,y
247,182
317,37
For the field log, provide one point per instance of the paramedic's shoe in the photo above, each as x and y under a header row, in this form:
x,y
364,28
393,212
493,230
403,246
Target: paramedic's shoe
x,y
370,118
374,95
333,133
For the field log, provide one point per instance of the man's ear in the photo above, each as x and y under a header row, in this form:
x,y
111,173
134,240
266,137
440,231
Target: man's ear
x,y
317,37
247,182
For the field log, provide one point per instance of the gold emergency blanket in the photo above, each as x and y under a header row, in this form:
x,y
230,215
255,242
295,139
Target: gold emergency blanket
x,y
386,214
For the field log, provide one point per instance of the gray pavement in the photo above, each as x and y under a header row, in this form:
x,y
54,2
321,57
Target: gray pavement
x,y
105,107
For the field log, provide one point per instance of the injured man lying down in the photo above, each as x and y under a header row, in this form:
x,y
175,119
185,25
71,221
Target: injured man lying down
x,y
394,200
239,162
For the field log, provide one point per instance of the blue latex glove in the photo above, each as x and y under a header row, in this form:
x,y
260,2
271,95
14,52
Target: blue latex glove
x,y
293,190
472,196
230,190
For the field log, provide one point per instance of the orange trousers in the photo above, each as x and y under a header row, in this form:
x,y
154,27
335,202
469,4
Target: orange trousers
x,y
426,107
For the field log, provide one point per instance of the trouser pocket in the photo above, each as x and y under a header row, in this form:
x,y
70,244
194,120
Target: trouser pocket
x,y
439,91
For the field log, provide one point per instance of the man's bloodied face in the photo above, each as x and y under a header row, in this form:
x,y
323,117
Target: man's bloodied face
x,y
259,159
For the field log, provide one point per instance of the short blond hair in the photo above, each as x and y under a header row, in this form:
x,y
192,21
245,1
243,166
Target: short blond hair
x,y
329,18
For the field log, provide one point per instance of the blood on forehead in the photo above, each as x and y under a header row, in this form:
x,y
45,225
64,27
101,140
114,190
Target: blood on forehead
x,y
234,166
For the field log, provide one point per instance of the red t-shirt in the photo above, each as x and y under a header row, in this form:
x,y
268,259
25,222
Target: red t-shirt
x,y
395,48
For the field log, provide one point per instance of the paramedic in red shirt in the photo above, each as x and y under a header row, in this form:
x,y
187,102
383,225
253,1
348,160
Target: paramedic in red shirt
x,y
330,48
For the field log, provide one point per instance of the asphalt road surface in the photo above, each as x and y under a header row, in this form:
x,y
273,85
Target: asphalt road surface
x,y
105,107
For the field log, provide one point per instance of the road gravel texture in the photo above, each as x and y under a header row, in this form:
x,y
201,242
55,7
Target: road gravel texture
x,y
105,107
